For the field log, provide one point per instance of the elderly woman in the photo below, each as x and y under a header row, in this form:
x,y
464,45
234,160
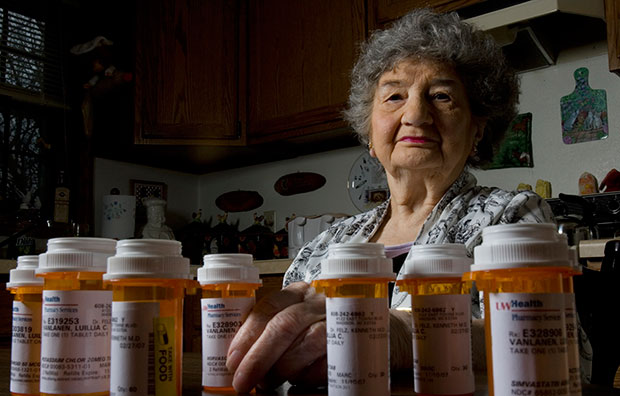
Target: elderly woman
x,y
429,96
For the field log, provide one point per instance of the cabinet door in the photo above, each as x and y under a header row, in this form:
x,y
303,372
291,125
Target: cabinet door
x,y
300,57
612,16
381,12
187,80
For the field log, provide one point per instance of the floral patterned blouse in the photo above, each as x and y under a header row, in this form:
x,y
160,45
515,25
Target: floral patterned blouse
x,y
459,217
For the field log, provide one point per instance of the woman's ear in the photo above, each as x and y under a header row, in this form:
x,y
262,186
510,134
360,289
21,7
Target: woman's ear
x,y
371,150
480,127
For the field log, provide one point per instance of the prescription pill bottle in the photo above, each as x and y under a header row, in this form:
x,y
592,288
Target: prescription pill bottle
x,y
354,278
75,329
441,309
521,269
26,336
148,278
229,283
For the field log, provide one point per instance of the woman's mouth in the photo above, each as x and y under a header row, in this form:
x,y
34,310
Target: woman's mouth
x,y
415,139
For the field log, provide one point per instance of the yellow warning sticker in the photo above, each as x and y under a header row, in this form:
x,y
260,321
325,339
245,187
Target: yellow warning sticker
x,y
165,382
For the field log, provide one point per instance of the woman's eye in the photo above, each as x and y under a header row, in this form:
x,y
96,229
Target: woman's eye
x,y
394,97
440,96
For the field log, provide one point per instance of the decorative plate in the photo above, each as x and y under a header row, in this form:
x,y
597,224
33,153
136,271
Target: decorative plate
x,y
367,183
239,201
297,183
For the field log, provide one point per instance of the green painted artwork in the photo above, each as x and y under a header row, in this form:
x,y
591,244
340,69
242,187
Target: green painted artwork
x,y
584,112
515,151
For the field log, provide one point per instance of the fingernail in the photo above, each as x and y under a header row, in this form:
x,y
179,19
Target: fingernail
x,y
233,360
235,383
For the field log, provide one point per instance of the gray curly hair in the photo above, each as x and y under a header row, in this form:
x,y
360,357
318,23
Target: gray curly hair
x,y
492,86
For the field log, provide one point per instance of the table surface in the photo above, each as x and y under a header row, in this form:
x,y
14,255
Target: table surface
x,y
401,385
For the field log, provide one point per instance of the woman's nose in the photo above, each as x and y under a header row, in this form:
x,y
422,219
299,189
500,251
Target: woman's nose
x,y
416,111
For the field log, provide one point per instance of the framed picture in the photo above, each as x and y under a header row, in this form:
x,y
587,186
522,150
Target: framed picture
x,y
515,150
143,189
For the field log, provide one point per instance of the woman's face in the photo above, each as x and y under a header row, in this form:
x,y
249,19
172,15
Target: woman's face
x,y
421,120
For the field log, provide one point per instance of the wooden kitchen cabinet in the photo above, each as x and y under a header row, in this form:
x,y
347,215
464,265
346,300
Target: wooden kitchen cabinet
x,y
187,78
382,12
300,57
612,17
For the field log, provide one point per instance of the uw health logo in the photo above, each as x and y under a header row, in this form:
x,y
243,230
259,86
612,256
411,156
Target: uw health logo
x,y
517,305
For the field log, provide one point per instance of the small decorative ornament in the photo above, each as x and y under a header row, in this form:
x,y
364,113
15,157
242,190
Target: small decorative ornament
x,y
611,182
156,227
543,188
587,184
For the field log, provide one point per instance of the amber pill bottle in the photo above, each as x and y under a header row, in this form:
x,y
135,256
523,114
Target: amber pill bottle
x,y
354,279
441,310
148,278
26,336
229,282
75,329
522,269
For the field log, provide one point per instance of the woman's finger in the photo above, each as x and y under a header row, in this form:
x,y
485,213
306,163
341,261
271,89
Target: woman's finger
x,y
309,347
258,318
279,334
313,376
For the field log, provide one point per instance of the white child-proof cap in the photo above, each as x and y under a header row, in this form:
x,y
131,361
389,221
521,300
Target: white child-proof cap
x,y
522,245
356,260
442,260
24,274
76,254
148,258
228,268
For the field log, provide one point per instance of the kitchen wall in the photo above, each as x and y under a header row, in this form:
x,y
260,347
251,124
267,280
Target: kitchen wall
x,y
331,198
554,161
560,163
182,188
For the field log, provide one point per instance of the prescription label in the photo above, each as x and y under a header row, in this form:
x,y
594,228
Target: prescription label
x,y
528,338
358,346
221,318
572,345
442,344
75,341
26,347
133,346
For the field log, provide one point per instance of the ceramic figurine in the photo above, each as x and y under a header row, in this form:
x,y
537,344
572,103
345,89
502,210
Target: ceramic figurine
x,y
155,227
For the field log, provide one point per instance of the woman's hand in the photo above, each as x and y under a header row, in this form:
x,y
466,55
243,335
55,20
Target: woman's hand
x,y
283,338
